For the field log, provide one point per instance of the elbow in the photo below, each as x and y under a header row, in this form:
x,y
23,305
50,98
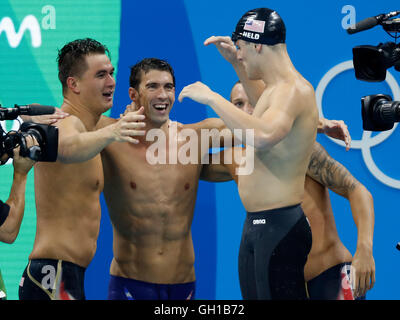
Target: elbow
x,y
361,193
368,194
362,189
261,141
11,239
260,144
264,140
8,237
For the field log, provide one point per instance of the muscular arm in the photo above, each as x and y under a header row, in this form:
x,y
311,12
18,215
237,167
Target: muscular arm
x,y
337,178
78,145
330,173
273,126
214,172
215,130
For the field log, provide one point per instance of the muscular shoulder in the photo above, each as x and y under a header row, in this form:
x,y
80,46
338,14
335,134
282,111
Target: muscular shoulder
x,y
301,102
284,97
298,92
71,124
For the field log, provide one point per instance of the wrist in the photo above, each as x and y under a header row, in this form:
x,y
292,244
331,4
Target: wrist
x,y
20,174
365,246
26,118
109,133
213,100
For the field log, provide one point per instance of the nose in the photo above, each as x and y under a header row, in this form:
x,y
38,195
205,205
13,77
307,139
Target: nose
x,y
110,81
162,93
248,108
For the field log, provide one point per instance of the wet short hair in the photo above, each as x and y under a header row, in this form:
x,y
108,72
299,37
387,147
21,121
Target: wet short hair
x,y
71,58
146,65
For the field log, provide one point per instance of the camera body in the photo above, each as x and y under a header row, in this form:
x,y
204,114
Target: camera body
x,y
371,63
379,112
45,135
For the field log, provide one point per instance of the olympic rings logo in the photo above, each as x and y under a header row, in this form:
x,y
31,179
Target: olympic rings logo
x,y
366,141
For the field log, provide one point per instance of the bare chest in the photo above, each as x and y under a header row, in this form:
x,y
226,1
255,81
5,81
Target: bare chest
x,y
131,170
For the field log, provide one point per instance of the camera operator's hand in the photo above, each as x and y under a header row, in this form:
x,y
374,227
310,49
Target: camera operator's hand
x,y
16,201
46,118
336,129
22,165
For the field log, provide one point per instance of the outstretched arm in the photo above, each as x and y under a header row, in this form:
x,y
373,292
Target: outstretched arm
x,y
215,172
254,88
215,131
269,129
78,145
337,178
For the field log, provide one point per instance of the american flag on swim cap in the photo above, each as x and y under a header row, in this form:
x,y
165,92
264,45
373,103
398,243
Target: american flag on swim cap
x,y
254,25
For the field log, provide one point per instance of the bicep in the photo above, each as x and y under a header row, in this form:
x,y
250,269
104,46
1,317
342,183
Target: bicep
x,y
208,124
214,130
276,126
330,173
69,131
281,110
215,172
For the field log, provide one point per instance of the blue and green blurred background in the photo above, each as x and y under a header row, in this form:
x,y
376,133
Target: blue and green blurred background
x,y
175,30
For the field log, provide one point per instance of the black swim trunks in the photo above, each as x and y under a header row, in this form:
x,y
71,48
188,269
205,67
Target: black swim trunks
x,y
273,251
48,279
332,284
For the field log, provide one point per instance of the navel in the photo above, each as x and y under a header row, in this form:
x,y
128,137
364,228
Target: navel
x,y
133,185
187,186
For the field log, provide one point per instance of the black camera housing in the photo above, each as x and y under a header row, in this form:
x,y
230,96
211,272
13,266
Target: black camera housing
x,y
371,63
45,135
379,112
